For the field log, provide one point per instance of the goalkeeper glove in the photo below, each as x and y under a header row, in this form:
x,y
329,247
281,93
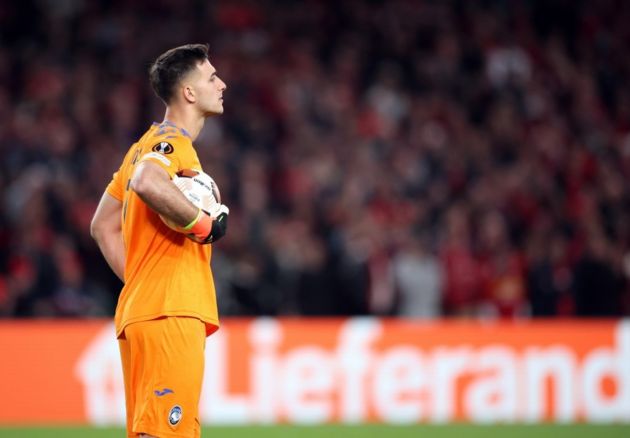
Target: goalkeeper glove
x,y
220,214
208,227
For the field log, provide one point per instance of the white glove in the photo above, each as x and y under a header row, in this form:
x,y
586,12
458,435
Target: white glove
x,y
218,209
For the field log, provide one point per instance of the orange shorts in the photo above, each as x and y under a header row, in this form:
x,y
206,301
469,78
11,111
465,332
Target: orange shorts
x,y
163,362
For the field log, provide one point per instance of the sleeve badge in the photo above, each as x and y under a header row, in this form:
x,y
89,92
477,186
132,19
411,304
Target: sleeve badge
x,y
163,148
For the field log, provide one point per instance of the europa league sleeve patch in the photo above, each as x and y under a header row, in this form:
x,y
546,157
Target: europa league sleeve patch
x,y
163,148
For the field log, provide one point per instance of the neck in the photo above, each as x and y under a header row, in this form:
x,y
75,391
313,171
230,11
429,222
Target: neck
x,y
191,122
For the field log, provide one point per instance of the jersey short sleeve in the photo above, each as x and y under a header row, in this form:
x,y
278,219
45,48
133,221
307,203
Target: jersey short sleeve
x,y
171,155
115,187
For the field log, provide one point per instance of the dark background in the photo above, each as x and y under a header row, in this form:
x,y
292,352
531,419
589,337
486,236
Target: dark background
x,y
413,158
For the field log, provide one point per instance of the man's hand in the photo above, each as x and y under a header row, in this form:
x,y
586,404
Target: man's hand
x,y
219,225
210,226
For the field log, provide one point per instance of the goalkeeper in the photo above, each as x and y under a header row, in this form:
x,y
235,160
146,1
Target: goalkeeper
x,y
167,305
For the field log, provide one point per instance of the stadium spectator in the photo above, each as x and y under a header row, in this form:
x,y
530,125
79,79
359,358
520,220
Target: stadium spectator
x,y
499,129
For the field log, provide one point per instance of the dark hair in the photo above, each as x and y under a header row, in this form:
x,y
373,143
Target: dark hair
x,y
171,66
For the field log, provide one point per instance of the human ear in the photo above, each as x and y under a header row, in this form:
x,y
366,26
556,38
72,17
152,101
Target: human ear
x,y
189,94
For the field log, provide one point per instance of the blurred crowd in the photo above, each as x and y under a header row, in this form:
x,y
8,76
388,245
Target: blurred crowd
x,y
399,157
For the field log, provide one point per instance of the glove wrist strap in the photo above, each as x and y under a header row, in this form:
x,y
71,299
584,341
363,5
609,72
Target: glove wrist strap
x,y
202,228
194,221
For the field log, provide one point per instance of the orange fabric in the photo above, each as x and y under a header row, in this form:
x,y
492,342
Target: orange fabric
x,y
166,274
169,383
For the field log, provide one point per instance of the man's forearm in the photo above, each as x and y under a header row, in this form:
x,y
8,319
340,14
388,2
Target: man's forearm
x,y
156,190
167,200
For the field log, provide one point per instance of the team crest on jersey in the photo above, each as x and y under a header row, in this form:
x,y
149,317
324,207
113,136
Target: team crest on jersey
x,y
175,415
163,148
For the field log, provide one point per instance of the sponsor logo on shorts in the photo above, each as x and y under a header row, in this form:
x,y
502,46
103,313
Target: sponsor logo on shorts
x,y
175,415
163,392
163,148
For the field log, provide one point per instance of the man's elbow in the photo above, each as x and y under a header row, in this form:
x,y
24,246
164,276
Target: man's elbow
x,y
106,219
100,227
139,184
96,230
142,182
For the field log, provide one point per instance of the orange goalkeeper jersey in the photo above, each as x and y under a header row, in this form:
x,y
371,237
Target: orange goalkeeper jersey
x,y
166,274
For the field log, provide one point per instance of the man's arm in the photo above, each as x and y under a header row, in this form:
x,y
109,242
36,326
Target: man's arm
x,y
153,185
106,229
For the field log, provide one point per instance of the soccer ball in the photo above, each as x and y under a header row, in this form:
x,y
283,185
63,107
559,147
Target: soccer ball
x,y
199,188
